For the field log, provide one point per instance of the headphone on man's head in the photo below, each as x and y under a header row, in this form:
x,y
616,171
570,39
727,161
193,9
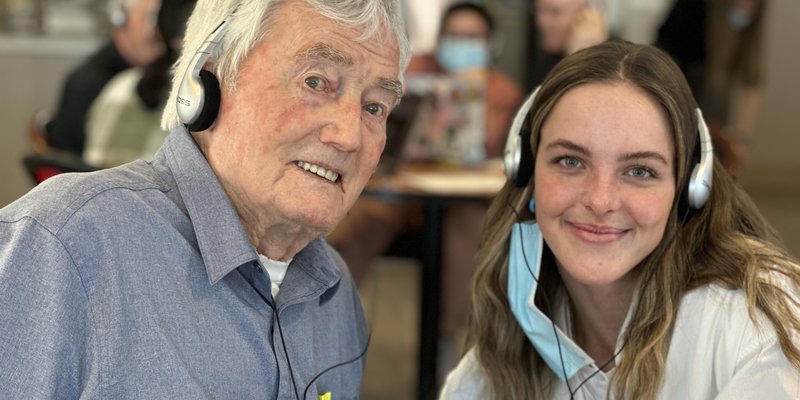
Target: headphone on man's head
x,y
199,93
518,159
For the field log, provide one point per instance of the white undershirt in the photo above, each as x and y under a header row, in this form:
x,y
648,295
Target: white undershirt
x,y
276,271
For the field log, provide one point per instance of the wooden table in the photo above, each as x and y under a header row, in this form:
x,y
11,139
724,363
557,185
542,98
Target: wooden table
x,y
435,187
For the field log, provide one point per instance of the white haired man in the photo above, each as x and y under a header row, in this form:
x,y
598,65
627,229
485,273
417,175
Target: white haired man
x,y
202,274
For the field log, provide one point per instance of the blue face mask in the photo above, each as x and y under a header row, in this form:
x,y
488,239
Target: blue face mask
x,y
522,267
456,54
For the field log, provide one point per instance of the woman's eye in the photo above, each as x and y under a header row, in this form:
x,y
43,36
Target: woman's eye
x,y
641,172
316,83
375,109
570,162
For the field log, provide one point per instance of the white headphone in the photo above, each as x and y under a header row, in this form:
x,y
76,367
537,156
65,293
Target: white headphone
x,y
199,93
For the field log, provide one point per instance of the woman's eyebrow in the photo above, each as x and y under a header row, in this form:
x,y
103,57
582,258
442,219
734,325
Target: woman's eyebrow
x,y
649,155
568,145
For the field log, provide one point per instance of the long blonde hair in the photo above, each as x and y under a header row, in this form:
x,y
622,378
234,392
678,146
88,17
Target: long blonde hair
x,y
727,242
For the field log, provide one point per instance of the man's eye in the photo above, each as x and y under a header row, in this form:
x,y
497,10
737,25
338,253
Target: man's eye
x,y
375,109
316,83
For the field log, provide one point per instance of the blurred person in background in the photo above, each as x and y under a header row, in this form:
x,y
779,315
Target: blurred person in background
x,y
563,27
465,47
734,75
124,121
134,43
467,43
718,44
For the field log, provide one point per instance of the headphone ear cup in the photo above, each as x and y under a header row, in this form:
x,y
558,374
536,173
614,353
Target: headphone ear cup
x,y
698,188
211,100
525,170
518,159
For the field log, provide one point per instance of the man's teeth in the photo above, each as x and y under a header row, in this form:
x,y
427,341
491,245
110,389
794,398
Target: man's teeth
x,y
316,169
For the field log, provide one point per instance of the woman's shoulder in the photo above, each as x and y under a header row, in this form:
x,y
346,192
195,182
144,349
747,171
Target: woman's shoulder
x,y
722,318
466,381
716,308
720,345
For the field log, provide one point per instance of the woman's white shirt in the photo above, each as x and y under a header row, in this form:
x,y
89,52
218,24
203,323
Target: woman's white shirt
x,y
716,352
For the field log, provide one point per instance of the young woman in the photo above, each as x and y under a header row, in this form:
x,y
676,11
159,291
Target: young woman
x,y
616,270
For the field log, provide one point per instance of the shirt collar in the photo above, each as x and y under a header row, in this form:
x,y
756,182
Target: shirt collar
x,y
222,241
311,272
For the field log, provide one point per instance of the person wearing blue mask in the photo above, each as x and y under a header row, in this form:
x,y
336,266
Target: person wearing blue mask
x,y
466,35
621,260
466,43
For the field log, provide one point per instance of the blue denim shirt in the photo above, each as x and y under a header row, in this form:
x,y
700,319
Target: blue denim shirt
x,y
139,282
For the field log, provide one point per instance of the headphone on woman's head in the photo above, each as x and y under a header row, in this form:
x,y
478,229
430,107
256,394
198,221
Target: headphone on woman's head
x,y
518,159
517,163
199,93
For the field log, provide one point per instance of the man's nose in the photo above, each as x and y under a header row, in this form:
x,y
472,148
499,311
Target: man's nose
x,y
343,126
602,193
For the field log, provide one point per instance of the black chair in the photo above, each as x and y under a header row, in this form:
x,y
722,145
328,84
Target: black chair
x,y
45,161
51,162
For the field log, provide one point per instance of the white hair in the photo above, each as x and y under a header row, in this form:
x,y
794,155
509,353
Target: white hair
x,y
249,21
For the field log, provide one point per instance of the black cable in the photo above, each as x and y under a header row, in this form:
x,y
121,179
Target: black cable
x,y
286,352
371,318
341,364
546,300
646,281
572,392
283,344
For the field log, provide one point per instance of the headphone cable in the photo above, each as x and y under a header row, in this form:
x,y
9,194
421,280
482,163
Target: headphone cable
x,y
341,364
370,328
283,344
286,352
544,296
549,308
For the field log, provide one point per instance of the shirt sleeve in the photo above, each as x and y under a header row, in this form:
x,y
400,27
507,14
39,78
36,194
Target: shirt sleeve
x,y
44,325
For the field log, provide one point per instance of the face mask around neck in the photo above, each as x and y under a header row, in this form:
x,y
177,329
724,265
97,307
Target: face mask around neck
x,y
524,267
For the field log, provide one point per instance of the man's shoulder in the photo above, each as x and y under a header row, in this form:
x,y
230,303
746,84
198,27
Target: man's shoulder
x,y
54,202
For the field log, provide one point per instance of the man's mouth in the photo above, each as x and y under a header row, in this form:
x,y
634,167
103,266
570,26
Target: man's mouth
x,y
319,171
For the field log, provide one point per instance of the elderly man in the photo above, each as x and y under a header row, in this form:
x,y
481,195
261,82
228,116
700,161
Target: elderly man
x,y
202,274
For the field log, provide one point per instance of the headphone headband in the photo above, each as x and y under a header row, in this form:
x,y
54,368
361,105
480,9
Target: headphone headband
x,y
518,159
